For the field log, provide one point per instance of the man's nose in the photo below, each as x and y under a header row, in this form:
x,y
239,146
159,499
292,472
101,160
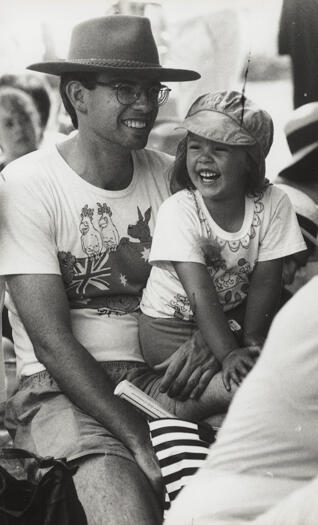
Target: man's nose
x,y
143,99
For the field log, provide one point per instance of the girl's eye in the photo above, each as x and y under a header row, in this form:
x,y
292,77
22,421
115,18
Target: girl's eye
x,y
193,146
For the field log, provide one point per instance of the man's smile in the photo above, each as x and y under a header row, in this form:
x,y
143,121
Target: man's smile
x,y
134,123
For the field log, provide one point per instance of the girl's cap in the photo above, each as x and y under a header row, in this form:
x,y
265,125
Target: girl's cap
x,y
230,118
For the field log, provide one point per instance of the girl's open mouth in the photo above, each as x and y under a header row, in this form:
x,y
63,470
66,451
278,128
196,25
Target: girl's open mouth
x,y
208,176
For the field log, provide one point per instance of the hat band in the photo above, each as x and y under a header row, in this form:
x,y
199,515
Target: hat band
x,y
117,62
307,224
303,137
308,236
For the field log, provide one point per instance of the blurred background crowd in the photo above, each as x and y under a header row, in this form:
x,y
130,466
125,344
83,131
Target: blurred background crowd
x,y
216,37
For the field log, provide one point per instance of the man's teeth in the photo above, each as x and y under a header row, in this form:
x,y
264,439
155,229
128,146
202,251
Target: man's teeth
x,y
208,176
135,124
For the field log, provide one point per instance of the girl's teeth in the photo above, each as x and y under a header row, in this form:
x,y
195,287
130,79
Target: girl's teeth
x,y
208,175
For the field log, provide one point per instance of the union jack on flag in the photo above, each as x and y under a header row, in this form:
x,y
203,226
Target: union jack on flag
x,y
90,271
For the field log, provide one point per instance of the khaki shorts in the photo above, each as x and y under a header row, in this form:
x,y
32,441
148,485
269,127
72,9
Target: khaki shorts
x,y
47,423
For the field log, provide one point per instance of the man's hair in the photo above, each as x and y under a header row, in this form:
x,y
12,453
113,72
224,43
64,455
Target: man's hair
x,y
88,80
180,178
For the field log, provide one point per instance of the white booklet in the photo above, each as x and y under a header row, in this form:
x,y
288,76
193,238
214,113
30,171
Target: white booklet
x,y
140,400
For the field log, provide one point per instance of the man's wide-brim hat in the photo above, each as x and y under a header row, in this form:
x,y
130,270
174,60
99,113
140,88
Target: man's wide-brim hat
x,y
301,132
120,44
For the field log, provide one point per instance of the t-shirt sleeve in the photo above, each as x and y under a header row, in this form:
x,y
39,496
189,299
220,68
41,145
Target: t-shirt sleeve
x,y
26,233
177,234
282,235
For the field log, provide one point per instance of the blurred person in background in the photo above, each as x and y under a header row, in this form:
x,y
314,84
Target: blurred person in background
x,y
41,92
20,124
295,266
299,178
20,133
298,38
301,130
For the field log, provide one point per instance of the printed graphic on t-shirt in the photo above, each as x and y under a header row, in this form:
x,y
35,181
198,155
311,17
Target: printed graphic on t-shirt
x,y
231,283
181,306
235,245
113,271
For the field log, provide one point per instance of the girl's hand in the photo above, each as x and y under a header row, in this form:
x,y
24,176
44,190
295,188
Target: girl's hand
x,y
237,364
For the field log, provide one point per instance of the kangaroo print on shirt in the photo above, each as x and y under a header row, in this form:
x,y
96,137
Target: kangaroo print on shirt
x,y
112,271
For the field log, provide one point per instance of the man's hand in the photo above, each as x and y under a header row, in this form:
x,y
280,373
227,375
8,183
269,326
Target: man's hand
x,y
189,370
237,364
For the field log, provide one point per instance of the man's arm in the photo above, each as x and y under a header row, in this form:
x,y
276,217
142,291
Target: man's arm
x,y
262,301
44,310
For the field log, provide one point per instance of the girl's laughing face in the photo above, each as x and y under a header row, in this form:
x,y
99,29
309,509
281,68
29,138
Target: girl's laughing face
x,y
217,170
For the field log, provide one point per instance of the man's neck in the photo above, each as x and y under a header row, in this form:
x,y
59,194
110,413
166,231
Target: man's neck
x,y
109,167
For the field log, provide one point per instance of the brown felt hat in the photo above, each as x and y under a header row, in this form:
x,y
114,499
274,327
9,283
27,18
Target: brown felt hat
x,y
117,43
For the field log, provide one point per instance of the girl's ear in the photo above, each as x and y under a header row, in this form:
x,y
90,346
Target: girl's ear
x,y
76,94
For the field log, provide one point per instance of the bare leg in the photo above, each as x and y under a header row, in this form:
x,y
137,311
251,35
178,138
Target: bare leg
x,y
114,491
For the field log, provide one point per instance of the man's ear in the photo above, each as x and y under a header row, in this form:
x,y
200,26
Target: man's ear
x,y
76,94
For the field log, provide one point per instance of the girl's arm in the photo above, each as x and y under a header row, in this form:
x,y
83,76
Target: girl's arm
x,y
212,322
262,301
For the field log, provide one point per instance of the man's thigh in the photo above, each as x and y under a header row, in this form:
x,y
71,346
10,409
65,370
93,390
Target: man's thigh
x,y
114,491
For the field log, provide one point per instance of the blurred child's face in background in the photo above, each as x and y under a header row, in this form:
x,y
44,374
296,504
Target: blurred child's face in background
x,y
19,130
217,170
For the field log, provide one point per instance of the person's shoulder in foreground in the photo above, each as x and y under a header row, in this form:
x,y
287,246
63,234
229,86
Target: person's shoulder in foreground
x,y
267,447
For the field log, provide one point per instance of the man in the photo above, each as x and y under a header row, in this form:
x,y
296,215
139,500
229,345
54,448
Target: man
x,y
77,221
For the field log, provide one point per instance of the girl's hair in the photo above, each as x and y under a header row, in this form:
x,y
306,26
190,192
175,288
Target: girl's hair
x,y
180,178
88,80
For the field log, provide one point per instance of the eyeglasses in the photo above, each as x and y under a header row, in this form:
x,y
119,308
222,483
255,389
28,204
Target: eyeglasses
x,y
128,94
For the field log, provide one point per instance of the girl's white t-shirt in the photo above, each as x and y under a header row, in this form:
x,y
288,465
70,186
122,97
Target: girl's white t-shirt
x,y
186,232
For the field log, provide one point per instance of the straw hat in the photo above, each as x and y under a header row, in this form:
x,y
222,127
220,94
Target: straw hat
x,y
306,211
302,136
118,43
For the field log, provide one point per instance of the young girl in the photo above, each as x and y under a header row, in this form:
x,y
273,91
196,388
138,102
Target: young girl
x,y
219,241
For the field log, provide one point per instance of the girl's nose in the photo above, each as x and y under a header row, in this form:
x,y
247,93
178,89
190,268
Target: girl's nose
x,y
207,151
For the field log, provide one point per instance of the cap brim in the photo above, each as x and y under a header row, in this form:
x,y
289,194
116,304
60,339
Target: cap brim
x,y
218,127
159,73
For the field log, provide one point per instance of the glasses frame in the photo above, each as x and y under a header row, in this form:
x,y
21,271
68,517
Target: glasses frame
x,y
117,85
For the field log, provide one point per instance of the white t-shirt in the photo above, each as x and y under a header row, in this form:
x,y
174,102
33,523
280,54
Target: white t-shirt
x,y
54,222
185,231
268,444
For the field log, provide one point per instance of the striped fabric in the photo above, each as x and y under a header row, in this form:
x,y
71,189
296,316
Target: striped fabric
x,y
181,447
